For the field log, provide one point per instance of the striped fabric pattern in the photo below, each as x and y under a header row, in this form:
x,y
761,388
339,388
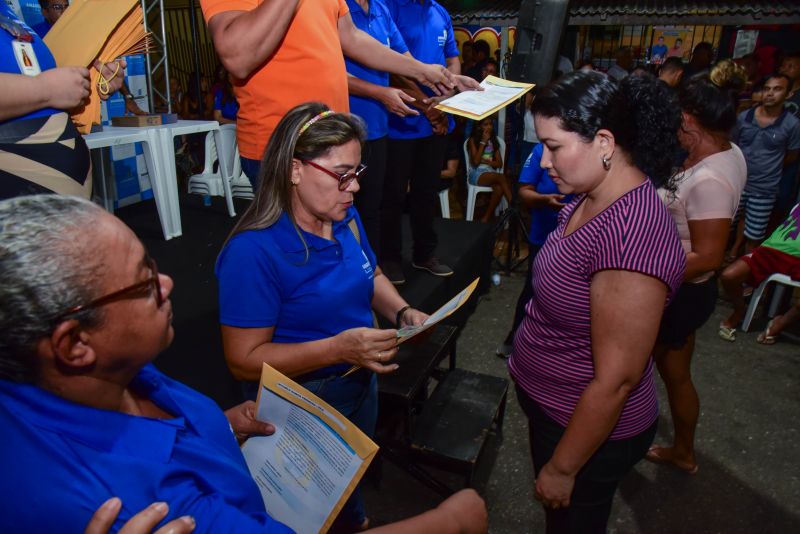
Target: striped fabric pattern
x,y
44,155
552,357
757,211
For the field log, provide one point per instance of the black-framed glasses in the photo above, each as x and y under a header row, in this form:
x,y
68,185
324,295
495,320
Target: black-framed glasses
x,y
344,179
143,288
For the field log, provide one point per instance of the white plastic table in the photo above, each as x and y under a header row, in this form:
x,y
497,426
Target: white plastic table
x,y
159,155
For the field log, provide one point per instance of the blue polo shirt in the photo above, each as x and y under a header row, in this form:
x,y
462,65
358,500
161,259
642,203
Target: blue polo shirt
x,y
61,460
269,278
428,32
379,24
543,220
228,109
8,63
42,28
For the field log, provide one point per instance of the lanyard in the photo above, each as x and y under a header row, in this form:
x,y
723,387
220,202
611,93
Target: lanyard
x,y
16,29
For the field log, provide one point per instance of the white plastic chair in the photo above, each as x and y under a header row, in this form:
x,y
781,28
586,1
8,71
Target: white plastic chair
x,y
444,202
783,282
474,190
220,147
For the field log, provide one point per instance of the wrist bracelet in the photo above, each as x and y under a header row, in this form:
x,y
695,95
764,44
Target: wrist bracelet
x,y
399,316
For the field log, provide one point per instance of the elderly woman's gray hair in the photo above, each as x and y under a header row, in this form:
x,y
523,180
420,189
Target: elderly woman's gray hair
x,y
46,269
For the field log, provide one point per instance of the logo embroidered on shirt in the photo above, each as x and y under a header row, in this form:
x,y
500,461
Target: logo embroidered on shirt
x,y
442,38
367,266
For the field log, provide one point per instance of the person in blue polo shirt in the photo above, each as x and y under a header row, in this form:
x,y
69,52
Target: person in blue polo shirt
x,y
298,279
44,151
51,12
417,144
539,193
371,98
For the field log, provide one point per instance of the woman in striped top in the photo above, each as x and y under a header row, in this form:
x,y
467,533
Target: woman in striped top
x,y
582,356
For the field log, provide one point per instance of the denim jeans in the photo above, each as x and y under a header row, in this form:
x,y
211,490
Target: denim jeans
x,y
355,397
251,167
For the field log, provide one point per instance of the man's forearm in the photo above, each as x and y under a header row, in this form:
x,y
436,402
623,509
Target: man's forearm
x,y
363,48
246,39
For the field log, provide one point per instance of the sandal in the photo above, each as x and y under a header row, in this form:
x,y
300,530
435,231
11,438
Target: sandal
x,y
727,333
765,338
657,455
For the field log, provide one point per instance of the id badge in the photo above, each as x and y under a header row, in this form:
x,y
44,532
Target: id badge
x,y
26,58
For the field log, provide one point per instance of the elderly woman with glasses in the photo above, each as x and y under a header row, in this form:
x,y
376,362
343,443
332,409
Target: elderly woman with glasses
x,y
298,280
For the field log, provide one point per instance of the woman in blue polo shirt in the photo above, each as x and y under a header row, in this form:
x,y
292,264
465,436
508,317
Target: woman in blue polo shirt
x,y
41,150
298,280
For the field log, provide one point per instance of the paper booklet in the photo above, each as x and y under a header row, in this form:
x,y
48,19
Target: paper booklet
x,y
406,333
308,468
497,93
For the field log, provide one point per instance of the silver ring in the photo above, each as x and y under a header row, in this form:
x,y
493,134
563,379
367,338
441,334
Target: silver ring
x,y
380,356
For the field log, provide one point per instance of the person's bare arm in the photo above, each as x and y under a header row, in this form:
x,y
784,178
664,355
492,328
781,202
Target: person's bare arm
x,y
462,513
246,39
220,119
388,302
362,47
246,349
626,309
393,99
533,199
60,88
708,237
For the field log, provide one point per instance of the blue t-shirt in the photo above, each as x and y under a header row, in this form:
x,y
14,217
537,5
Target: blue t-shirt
x,y
8,62
543,220
229,109
764,149
61,460
658,50
267,278
428,32
379,24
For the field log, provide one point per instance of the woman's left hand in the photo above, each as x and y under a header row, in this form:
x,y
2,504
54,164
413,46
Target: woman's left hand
x,y
242,419
114,74
554,488
413,317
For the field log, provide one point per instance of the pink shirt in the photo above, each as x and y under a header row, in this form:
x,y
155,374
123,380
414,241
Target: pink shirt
x,y
552,359
708,190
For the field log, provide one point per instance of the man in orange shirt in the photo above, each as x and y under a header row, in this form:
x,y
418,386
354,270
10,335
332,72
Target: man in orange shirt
x,y
284,53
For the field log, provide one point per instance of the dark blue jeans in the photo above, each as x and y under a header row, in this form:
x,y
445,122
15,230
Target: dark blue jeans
x,y
355,397
251,167
596,483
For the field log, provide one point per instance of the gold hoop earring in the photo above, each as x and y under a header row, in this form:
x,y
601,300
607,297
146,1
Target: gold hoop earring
x,y
606,163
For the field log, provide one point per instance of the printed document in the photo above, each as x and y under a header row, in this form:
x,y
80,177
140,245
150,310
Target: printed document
x,y
497,93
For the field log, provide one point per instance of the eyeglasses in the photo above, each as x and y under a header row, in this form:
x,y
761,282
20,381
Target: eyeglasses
x,y
344,179
57,7
143,288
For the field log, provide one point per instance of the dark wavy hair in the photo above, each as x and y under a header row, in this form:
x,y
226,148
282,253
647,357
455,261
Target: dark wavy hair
x,y
640,111
711,98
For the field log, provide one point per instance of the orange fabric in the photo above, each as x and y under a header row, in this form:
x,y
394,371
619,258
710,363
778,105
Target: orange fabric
x,y
309,65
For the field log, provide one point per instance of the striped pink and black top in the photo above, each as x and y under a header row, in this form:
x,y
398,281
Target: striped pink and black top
x,y
552,359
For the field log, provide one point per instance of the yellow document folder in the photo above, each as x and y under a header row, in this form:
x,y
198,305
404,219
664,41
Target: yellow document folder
x,y
92,30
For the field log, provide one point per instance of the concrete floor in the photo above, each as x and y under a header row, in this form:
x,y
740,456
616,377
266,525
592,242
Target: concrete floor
x,y
749,477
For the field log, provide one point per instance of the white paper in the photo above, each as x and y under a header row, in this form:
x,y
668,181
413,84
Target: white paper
x,y
447,309
480,102
303,468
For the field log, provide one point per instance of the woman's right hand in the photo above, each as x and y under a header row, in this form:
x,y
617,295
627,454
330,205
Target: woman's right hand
x,y
65,87
141,523
370,348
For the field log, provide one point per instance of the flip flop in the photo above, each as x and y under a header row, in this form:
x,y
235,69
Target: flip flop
x,y
727,333
765,338
655,455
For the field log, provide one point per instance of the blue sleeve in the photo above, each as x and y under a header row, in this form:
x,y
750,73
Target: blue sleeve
x,y
450,46
249,289
396,41
218,99
532,172
212,514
